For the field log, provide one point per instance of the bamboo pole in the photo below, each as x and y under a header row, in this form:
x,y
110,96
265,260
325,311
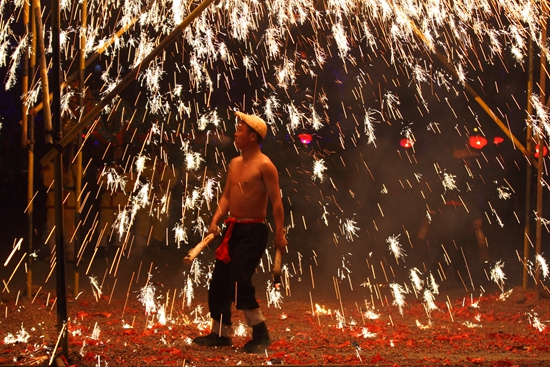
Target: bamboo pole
x,y
61,289
25,78
528,170
48,131
78,181
27,137
126,80
540,142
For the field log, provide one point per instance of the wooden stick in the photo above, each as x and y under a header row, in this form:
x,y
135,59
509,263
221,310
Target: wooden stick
x,y
195,251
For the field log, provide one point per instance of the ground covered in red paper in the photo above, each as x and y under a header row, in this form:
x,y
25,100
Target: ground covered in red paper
x,y
311,328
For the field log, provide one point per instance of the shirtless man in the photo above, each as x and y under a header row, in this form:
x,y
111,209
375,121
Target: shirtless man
x,y
252,179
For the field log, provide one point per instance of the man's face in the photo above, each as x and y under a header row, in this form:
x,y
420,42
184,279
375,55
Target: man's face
x,y
243,135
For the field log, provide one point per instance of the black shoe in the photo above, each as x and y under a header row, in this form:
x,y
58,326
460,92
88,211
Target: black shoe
x,y
213,340
260,339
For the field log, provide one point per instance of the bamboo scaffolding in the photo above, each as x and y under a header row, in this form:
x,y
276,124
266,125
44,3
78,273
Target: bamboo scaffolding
x,y
91,59
168,40
470,91
526,151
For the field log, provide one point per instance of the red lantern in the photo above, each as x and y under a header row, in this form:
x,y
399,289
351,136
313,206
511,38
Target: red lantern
x,y
544,151
406,143
477,142
497,140
305,138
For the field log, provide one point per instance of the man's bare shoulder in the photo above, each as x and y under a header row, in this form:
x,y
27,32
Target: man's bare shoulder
x,y
235,160
267,167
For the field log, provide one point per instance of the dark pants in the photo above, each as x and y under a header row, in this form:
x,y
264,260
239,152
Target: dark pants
x,y
246,247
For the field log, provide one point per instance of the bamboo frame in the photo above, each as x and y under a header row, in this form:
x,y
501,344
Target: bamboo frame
x,y
471,91
90,60
91,115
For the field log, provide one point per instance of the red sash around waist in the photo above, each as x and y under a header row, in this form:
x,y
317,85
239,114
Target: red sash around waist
x,y
222,252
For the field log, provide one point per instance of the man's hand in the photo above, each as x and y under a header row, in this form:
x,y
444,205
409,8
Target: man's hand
x,y
213,228
280,240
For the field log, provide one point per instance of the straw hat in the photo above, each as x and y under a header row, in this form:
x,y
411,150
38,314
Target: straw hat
x,y
256,123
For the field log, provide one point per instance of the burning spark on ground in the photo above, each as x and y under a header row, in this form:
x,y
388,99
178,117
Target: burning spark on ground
x,y
340,319
432,284
471,325
95,287
535,321
321,310
202,322
188,290
367,334
21,336
504,295
161,315
274,297
240,330
398,293
95,332
429,302
497,275
422,326
371,314
414,275
147,298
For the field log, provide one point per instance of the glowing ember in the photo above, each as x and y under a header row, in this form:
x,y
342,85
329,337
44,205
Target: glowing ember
x,y
21,336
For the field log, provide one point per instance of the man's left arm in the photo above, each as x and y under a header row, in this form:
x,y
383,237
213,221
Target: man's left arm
x,y
271,180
